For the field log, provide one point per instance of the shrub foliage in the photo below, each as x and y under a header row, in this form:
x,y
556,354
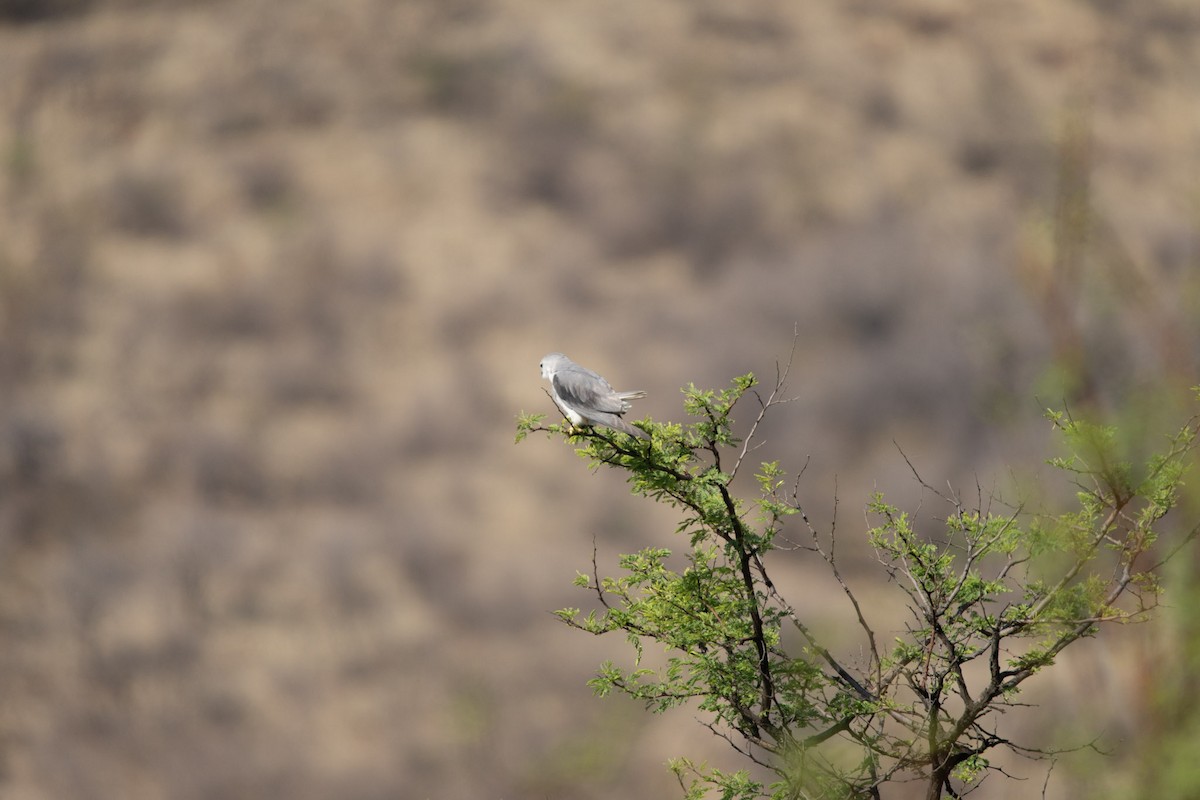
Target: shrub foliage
x,y
991,601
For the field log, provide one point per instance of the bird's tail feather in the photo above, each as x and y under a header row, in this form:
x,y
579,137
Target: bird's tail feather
x,y
625,397
616,423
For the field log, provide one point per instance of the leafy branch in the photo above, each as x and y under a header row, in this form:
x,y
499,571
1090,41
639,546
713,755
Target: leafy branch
x,y
991,602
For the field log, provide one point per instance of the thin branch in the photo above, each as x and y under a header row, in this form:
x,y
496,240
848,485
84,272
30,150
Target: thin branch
x,y
831,560
747,752
1187,539
780,384
1049,772
921,480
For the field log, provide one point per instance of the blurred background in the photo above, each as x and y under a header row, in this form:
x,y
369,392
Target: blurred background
x,y
275,279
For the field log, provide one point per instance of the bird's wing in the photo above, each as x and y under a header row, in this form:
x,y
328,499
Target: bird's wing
x,y
584,390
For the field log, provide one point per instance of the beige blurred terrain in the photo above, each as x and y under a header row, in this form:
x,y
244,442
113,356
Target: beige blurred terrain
x,y
275,279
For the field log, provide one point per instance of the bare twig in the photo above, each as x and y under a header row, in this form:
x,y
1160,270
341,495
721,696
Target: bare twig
x,y
780,383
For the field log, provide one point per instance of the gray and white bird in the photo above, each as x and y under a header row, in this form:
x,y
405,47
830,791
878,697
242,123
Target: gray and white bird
x,y
585,398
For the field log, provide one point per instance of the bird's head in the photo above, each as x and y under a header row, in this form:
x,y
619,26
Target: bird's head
x,y
552,363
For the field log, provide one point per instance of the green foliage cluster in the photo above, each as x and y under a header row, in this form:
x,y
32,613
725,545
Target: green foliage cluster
x,y
992,601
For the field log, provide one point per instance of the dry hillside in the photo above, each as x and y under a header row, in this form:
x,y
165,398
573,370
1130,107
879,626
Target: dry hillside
x,y
275,279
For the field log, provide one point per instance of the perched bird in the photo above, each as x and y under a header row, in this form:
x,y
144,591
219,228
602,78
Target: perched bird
x,y
585,398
